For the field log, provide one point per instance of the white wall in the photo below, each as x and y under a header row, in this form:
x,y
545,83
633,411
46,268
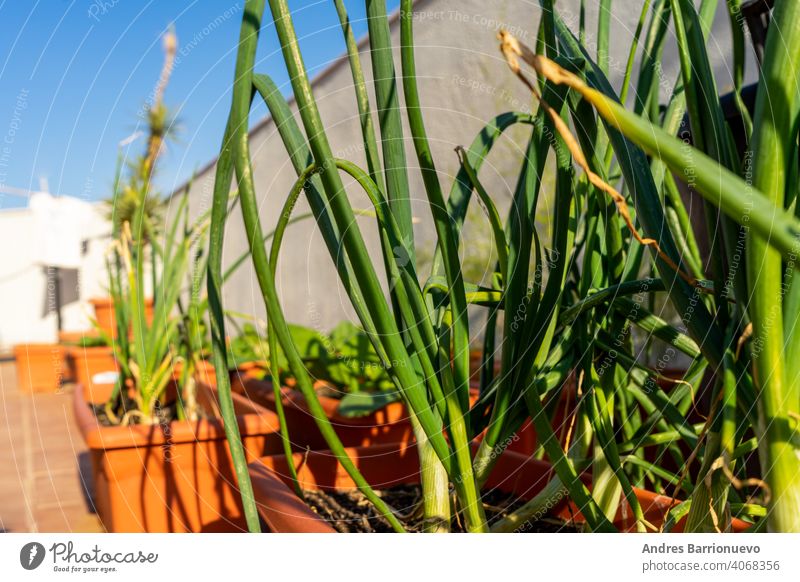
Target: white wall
x,y
24,315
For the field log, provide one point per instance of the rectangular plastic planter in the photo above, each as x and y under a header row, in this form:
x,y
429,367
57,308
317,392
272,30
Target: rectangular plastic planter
x,y
390,424
40,367
175,477
387,465
94,368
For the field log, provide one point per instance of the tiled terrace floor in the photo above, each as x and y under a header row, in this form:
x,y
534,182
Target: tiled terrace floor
x,y
42,459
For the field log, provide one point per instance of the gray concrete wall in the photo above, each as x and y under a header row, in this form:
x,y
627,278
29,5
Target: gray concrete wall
x,y
463,83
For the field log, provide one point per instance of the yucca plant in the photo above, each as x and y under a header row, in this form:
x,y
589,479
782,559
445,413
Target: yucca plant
x,y
560,312
145,254
136,192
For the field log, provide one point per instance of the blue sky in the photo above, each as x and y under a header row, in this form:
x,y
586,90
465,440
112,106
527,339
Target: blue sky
x,y
74,76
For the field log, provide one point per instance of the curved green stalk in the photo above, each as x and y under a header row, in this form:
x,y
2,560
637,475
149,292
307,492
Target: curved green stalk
x,y
461,190
275,376
656,326
647,85
234,266
458,402
387,98
309,180
738,38
603,32
353,242
409,298
300,157
446,236
626,80
362,97
598,297
222,182
491,211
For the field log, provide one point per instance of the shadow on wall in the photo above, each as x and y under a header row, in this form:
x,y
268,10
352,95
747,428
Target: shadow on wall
x,y
62,287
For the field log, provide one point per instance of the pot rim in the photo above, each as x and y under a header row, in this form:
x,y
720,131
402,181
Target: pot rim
x,y
279,506
252,420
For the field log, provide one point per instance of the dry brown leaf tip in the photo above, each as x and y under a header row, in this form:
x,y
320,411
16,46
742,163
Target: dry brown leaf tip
x,y
512,50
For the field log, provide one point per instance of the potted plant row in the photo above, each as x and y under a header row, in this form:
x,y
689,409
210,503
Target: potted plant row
x,y
157,443
356,393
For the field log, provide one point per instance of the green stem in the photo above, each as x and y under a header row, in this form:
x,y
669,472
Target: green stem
x,y
224,175
775,131
387,98
362,97
353,242
435,484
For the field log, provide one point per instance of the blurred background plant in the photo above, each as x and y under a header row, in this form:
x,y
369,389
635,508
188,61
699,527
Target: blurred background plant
x,y
134,190
167,262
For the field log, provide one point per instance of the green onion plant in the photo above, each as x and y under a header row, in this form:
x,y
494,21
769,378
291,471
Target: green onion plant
x,y
564,311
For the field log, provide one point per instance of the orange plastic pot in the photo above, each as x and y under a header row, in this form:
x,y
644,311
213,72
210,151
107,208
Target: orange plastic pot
x,y
388,465
204,372
175,477
74,337
106,317
390,424
383,466
92,366
40,367
524,440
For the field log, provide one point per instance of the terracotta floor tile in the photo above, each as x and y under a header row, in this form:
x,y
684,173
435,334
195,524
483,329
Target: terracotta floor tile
x,y
41,452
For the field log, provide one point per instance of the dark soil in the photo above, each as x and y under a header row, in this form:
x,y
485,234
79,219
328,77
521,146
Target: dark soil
x,y
166,413
350,512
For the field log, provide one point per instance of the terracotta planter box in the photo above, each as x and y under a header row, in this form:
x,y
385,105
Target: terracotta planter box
x,y
40,367
92,366
387,425
389,465
99,392
106,317
176,477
